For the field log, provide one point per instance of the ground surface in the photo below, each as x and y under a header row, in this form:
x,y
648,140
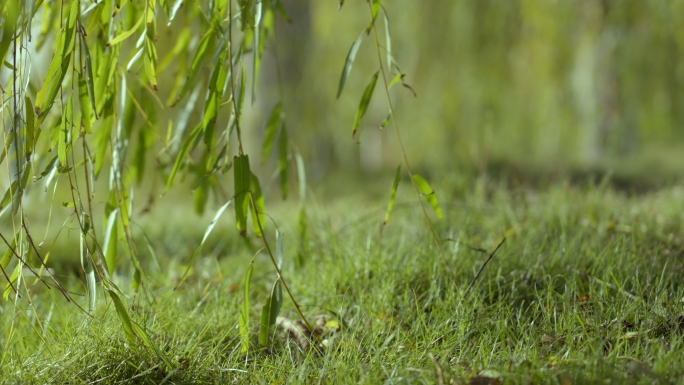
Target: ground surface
x,y
587,288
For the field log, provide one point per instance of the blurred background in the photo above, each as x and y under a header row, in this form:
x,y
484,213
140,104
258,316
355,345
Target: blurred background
x,y
533,85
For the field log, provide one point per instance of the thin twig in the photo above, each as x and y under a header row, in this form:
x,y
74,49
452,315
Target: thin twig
x,y
482,268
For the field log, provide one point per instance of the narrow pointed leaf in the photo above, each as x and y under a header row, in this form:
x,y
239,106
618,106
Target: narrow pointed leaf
x,y
365,100
218,214
258,210
109,246
242,180
84,104
283,154
124,318
349,61
272,126
395,185
126,34
30,127
182,152
269,313
429,194
197,62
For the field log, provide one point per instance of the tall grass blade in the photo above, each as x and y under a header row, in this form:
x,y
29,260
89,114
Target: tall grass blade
x,y
244,313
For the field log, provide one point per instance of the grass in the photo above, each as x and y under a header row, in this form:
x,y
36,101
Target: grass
x,y
587,288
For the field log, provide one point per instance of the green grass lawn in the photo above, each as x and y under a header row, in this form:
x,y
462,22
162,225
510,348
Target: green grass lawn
x,y
587,288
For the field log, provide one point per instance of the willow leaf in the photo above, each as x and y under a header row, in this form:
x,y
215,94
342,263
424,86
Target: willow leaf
x,y
242,181
365,100
349,61
110,241
125,319
258,210
269,313
126,34
218,214
182,152
395,185
429,194
283,164
272,126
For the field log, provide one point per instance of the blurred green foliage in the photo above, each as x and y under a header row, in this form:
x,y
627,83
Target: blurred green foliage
x,y
582,83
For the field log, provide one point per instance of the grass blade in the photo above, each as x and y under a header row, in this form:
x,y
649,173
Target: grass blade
x,y
272,126
244,312
365,100
390,205
349,62
242,180
429,193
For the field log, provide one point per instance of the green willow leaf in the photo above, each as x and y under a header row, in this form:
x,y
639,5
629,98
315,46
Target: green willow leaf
x,y
395,185
59,65
110,241
197,62
30,127
272,126
125,319
429,194
150,62
269,313
244,312
10,13
242,181
218,214
349,61
64,132
258,209
182,152
365,100
125,34
216,90
375,7
89,77
283,154
84,105
258,46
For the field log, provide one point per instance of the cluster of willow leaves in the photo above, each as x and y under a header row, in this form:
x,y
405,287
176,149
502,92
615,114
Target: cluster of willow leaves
x,y
93,121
